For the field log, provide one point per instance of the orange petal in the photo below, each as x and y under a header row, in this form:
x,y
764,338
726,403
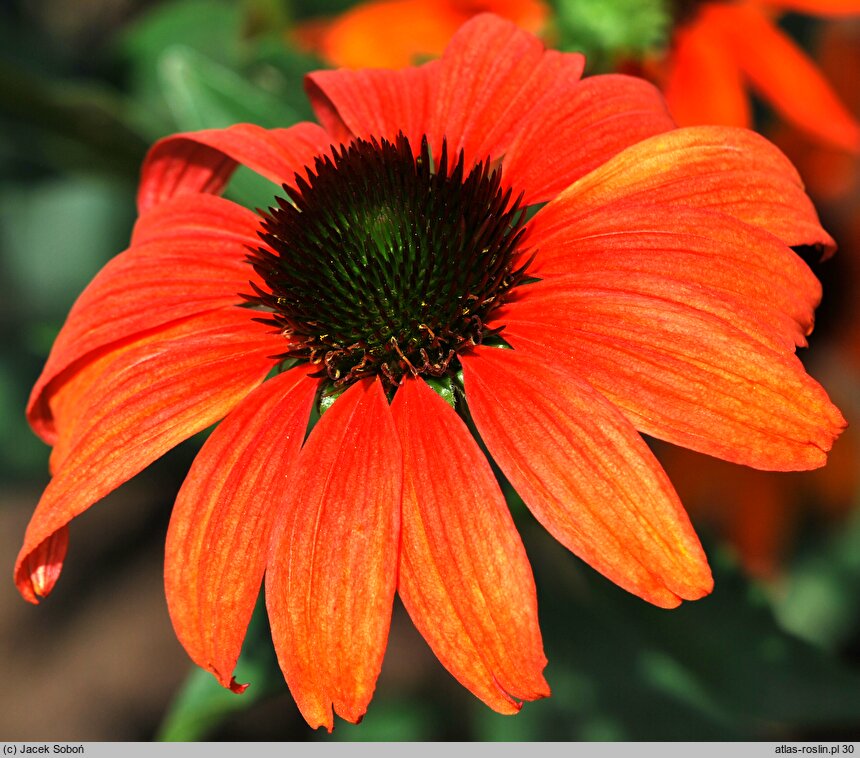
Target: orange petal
x,y
45,563
531,15
491,76
706,259
530,96
372,102
578,126
395,33
389,34
492,81
188,256
218,540
681,374
704,84
203,161
586,475
464,576
734,171
148,399
786,77
333,565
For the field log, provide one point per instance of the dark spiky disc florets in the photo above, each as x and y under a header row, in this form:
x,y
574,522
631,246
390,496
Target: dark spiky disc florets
x,y
382,265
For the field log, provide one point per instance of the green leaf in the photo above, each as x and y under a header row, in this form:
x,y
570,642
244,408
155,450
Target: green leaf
x,y
820,598
204,94
69,124
202,703
200,706
203,63
24,456
271,16
612,31
211,27
280,69
56,234
389,719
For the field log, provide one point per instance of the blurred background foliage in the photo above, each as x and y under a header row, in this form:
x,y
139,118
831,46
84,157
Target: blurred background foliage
x,y
774,653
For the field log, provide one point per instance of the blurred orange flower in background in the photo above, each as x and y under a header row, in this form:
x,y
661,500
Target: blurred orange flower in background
x,y
829,172
394,33
719,48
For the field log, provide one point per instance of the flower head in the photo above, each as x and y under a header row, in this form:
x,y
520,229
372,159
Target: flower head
x,y
654,290
424,255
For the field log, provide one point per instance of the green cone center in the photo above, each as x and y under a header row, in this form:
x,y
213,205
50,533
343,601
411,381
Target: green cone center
x,y
384,264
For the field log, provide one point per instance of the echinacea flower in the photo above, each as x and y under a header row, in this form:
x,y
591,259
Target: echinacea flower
x,y
394,33
654,290
719,48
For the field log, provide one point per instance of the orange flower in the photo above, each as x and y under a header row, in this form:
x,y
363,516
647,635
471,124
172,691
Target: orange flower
x,y
654,290
725,45
395,33
829,172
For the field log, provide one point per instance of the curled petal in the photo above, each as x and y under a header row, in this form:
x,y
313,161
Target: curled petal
x,y
464,576
45,563
332,568
148,398
585,473
218,540
188,256
208,218
204,161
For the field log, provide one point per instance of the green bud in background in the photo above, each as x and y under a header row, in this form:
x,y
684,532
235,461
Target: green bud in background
x,y
611,31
